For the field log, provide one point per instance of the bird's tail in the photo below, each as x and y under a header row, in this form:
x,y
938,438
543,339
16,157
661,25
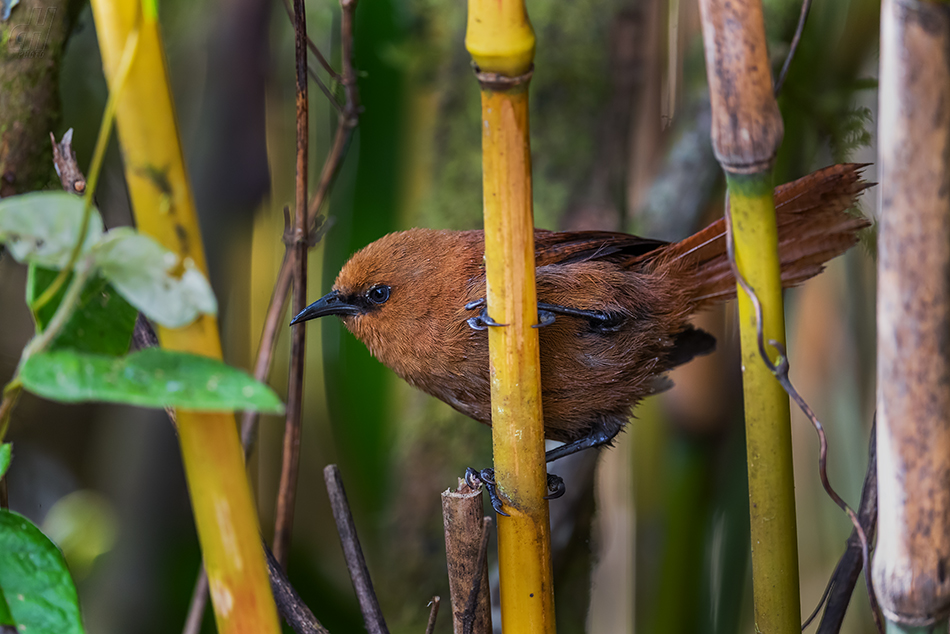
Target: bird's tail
x,y
813,227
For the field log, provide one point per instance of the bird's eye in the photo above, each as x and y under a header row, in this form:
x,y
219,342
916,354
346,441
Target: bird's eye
x,y
378,294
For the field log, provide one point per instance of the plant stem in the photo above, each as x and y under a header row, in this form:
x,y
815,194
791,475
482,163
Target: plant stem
x,y
746,132
164,209
768,429
501,41
912,556
291,453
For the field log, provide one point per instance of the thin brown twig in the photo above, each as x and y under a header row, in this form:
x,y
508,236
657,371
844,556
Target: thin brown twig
x,y
325,90
287,493
199,603
289,604
780,370
845,576
348,121
353,553
433,614
272,323
268,343
792,48
313,47
350,88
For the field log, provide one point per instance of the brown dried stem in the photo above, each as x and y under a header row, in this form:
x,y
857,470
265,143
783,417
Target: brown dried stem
x,y
347,122
845,576
912,557
313,47
289,604
433,614
467,567
353,553
287,493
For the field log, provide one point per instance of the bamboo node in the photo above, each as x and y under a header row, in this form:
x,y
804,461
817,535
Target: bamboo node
x,y
499,83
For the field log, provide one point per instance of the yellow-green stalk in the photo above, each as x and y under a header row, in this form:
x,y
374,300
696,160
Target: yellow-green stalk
x,y
746,131
164,208
501,41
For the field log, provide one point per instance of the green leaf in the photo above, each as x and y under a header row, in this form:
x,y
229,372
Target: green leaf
x,y
102,323
6,617
35,580
43,227
6,455
169,290
150,378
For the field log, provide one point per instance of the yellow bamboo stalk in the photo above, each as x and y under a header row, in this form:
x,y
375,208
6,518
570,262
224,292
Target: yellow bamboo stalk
x,y
501,41
747,130
164,208
912,558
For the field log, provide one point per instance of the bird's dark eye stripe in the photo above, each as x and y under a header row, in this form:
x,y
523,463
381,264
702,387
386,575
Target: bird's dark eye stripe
x,y
378,294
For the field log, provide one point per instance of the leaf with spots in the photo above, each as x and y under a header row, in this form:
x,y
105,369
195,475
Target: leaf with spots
x,y
35,581
102,322
43,227
151,378
169,290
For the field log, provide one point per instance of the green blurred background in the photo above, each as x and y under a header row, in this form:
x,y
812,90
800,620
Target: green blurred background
x,y
653,536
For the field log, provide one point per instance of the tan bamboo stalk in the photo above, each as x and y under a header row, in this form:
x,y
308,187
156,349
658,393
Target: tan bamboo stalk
x,y
746,131
164,208
501,41
912,559
468,569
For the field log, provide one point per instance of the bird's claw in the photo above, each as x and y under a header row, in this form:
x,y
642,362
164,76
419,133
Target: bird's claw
x,y
556,487
547,318
486,477
482,321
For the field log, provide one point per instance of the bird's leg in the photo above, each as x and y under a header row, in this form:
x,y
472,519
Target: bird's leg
x,y
482,321
598,437
546,314
487,477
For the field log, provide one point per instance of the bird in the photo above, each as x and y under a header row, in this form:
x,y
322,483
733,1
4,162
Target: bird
x,y
614,309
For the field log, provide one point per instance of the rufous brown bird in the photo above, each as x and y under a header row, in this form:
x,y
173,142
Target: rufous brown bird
x,y
614,307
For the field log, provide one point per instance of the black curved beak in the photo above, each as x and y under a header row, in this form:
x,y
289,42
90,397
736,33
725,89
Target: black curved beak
x,y
330,304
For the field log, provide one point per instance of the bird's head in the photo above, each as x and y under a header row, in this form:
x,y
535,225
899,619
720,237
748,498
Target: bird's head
x,y
399,291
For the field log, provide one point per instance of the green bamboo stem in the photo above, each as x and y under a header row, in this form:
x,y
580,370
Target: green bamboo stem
x,y
768,431
746,132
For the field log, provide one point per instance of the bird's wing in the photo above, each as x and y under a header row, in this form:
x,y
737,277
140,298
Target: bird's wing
x,y
565,247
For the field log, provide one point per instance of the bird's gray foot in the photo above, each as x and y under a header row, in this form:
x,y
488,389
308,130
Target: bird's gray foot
x,y
481,321
555,484
486,477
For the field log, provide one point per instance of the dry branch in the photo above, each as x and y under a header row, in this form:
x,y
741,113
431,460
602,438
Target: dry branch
x,y
468,568
353,553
